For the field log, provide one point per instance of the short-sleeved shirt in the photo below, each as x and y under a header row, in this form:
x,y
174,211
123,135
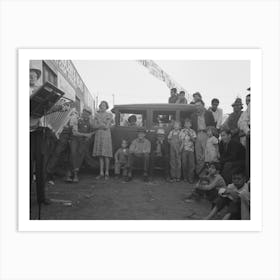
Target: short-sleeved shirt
x,y
185,136
140,146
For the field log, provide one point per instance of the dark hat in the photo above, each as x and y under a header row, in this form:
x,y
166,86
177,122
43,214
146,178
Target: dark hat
x,y
141,129
238,101
198,94
249,88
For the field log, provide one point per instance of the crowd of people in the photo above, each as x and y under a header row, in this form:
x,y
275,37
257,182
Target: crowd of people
x,y
200,149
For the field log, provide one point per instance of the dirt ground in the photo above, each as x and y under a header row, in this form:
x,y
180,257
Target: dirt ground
x,y
92,199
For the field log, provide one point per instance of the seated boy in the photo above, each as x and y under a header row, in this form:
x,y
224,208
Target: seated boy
x,y
121,160
160,153
210,185
230,197
140,148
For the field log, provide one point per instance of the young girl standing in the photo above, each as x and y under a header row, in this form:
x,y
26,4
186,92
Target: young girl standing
x,y
211,150
103,143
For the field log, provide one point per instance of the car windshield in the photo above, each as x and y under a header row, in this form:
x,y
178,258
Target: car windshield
x,y
163,118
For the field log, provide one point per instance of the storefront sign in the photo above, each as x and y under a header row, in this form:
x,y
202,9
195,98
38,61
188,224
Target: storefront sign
x,y
66,87
67,67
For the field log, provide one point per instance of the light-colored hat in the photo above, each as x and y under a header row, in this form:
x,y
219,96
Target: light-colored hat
x,y
36,70
160,131
87,109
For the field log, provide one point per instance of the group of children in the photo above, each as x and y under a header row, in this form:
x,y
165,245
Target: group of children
x,y
182,147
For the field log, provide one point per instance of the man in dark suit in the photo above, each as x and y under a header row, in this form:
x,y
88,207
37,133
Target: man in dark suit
x,y
232,155
200,120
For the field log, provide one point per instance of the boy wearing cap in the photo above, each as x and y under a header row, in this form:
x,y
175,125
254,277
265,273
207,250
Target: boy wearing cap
x,y
160,153
140,149
82,130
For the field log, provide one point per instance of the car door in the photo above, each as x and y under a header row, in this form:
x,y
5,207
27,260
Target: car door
x,y
123,129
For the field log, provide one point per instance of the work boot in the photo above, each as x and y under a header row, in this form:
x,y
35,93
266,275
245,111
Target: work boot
x,y
75,178
68,178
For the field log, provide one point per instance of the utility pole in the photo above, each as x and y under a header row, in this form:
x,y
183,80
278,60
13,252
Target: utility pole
x,y
113,95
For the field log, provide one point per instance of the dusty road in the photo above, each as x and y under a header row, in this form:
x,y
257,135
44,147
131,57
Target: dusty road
x,y
115,199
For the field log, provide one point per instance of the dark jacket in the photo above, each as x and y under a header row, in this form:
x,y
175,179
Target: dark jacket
x,y
234,152
164,148
209,120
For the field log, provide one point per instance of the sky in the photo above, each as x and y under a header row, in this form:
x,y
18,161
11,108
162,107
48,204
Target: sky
x,y
127,81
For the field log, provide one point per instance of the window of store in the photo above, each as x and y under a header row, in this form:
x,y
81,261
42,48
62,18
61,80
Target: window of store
x,y
49,75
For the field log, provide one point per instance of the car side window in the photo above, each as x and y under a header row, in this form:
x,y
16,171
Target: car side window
x,y
133,118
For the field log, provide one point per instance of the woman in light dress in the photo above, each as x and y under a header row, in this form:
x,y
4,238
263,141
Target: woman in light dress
x,y
102,148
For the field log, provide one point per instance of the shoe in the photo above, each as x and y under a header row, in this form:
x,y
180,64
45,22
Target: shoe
x,y
76,178
146,178
68,178
99,177
178,180
128,179
51,183
171,180
106,177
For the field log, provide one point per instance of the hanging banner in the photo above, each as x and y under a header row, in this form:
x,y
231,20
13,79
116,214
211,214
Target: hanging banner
x,y
160,74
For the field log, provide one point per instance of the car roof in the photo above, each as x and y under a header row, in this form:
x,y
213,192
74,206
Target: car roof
x,y
155,106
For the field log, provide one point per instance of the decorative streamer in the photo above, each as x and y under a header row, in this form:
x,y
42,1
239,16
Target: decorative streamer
x,y
160,74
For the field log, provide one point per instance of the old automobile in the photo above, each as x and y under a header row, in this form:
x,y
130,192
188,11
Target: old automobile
x,y
128,118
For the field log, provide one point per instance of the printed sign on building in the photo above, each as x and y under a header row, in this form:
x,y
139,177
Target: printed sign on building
x,y
66,87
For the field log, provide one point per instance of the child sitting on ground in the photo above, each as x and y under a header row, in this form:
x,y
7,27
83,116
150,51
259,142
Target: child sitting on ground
x,y
231,197
175,153
121,160
210,185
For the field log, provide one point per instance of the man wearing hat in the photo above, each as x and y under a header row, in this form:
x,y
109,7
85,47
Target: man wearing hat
x,y
37,144
160,153
173,96
82,130
140,149
231,122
